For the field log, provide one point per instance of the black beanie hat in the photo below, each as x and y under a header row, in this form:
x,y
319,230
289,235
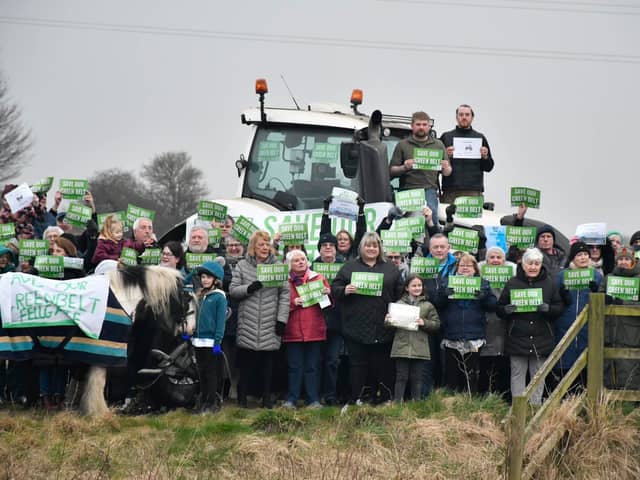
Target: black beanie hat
x,y
576,248
634,238
545,229
327,238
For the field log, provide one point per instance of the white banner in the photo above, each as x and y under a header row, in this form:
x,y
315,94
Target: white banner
x,y
29,301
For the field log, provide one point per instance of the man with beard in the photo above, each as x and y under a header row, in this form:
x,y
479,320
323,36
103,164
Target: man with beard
x,y
467,176
199,243
403,163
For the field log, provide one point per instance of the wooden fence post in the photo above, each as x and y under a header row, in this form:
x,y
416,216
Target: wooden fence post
x,y
595,353
516,437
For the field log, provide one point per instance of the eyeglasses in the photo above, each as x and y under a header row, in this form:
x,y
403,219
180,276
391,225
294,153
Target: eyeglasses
x,y
393,257
167,254
234,245
466,265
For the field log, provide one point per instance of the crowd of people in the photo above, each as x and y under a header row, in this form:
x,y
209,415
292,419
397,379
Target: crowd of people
x,y
344,346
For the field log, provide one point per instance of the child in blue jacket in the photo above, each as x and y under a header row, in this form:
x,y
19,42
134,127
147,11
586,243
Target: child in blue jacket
x,y
207,337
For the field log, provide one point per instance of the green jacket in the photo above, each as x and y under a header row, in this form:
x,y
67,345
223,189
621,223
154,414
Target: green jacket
x,y
415,345
416,178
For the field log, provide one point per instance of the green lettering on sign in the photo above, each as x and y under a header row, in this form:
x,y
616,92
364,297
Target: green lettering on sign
x,y
464,288
327,270
624,288
425,267
529,196
526,299
578,278
42,186
367,283
496,275
49,266
73,189
272,274
311,293
194,260
411,200
243,229
32,248
521,237
293,233
469,207
209,211
396,240
415,225
464,240
78,215
428,158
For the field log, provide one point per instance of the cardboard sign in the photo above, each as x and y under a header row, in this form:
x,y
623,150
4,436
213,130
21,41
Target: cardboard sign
x,y
273,274
526,299
49,266
42,186
129,256
121,215
32,248
73,189
327,270
412,200
414,224
369,284
311,293
578,278
209,211
325,152
134,213
194,260
293,233
624,288
497,275
425,267
7,231
19,198
529,196
521,237
150,256
269,151
78,215
396,240
242,229
469,207
464,288
427,158
464,240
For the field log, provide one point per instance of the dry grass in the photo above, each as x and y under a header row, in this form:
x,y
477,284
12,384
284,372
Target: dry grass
x,y
443,437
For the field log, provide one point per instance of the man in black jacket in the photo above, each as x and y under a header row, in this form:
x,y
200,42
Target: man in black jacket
x,y
467,176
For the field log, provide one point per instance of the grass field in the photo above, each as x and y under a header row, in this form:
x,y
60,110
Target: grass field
x,y
446,436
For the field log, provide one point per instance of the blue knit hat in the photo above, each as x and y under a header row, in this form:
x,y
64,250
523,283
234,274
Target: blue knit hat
x,y
212,268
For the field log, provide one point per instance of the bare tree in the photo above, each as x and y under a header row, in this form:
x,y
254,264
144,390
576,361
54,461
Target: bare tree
x,y
175,184
114,189
15,138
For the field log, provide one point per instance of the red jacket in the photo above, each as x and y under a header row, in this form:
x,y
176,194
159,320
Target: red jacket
x,y
107,250
305,324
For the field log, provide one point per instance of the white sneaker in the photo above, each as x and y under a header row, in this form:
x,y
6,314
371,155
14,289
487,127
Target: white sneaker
x,y
314,406
288,405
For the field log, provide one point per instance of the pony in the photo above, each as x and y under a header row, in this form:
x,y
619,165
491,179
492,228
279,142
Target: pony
x,y
153,295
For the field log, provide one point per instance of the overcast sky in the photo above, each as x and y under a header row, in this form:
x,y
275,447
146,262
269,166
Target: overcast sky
x,y
553,83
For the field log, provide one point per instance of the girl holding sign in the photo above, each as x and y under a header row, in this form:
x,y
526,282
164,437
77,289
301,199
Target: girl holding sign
x,y
463,315
530,302
305,330
110,241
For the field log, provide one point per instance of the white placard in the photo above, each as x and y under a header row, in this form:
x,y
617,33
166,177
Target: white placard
x,y
592,233
344,204
19,198
404,316
465,147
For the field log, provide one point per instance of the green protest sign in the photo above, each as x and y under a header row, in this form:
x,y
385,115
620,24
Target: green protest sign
x,y
134,212
415,225
7,231
367,283
129,257
215,236
464,288
121,215
396,240
209,211
411,200
78,215
42,186
425,267
427,158
32,248
243,229
529,196
73,189
194,260
49,266
325,152
150,256
624,288
469,207
293,233
521,237
311,293
269,151
496,275
272,274
464,240
526,299
578,278
74,263
327,270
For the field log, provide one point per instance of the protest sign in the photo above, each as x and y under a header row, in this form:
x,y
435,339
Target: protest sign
x,y
396,240
521,237
242,229
467,147
497,275
464,240
134,212
592,233
42,185
578,278
19,198
293,233
414,224
412,200
325,152
427,158
425,267
464,288
496,236
32,248
150,256
529,196
194,260
215,237
78,215
369,284
403,316
526,299
327,270
49,266
74,263
344,204
7,231
30,301
129,256
272,274
624,288
73,189
120,215
209,211
269,151
469,207
311,293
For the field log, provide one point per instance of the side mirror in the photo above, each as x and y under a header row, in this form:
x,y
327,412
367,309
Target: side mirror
x,y
349,158
241,164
